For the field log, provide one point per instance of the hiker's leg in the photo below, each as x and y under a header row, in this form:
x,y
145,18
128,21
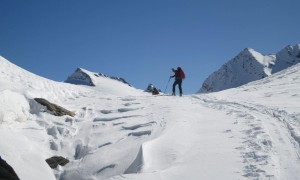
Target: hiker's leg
x,y
180,87
174,85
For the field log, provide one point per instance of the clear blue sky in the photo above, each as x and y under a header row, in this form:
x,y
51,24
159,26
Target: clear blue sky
x,y
141,40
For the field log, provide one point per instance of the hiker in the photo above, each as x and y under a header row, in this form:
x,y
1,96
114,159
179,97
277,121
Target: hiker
x,y
179,75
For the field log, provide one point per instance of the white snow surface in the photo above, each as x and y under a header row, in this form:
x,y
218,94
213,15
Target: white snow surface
x,y
250,65
250,132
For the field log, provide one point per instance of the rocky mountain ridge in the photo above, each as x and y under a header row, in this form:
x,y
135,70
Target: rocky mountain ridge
x,y
250,65
85,77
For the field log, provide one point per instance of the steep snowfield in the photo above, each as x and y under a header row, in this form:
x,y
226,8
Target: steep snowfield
x,y
250,65
250,132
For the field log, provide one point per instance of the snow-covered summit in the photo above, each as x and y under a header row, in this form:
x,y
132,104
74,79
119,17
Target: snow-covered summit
x,y
250,65
80,76
287,57
84,77
101,82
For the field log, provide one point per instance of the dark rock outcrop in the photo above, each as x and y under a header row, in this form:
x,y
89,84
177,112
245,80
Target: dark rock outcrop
x,y
152,89
114,78
80,76
55,109
6,171
85,77
54,161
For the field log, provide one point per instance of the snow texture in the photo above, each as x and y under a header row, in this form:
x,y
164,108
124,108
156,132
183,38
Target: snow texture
x,y
119,132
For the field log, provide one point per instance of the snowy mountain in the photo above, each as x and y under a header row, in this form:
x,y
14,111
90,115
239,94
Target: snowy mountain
x,y
118,132
248,66
100,81
85,77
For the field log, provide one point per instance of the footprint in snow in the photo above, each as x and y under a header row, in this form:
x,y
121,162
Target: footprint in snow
x,y
114,118
134,127
128,99
227,131
105,144
106,111
106,167
130,104
140,133
122,110
116,124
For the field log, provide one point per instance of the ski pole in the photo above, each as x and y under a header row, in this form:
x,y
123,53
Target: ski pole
x,y
167,86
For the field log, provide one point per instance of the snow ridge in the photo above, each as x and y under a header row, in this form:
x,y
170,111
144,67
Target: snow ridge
x,y
84,77
250,65
97,81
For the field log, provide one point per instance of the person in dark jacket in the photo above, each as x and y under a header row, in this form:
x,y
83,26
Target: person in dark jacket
x,y
178,80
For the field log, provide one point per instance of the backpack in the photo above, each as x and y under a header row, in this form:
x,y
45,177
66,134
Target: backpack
x,y
182,74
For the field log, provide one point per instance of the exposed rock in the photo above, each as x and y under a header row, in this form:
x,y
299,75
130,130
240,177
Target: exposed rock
x,y
114,78
80,77
6,171
57,160
55,109
155,91
152,89
85,77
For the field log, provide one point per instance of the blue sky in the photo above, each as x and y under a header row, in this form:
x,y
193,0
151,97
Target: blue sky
x,y
141,40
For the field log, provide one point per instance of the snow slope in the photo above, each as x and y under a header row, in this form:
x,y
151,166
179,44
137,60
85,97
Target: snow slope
x,y
30,135
250,132
250,65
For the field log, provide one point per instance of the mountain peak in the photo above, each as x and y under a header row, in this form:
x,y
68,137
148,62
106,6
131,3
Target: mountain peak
x,y
248,50
82,76
250,65
251,53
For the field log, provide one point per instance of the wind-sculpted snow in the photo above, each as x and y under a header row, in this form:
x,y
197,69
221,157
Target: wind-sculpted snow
x,y
250,132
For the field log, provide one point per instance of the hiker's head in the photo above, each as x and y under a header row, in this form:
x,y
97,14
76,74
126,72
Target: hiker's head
x,y
179,68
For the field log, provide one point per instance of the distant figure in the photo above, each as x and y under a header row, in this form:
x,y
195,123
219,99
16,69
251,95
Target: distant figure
x,y
179,75
155,91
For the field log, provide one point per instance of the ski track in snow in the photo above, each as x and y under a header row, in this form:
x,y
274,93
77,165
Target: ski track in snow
x,y
268,140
